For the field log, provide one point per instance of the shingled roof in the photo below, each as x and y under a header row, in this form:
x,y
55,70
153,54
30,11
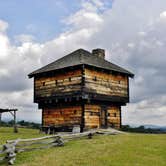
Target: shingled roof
x,y
79,57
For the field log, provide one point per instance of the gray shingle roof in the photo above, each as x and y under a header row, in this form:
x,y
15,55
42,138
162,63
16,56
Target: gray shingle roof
x,y
79,57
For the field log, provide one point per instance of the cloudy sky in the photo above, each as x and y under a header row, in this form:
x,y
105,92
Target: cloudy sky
x,y
133,33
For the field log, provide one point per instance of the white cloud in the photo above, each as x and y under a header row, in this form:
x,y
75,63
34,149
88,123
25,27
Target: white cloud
x,y
149,111
3,72
3,26
23,38
4,41
88,17
98,3
135,39
131,45
163,15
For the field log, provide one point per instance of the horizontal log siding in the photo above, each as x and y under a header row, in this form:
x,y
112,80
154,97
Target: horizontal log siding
x,y
60,83
92,118
104,83
113,118
67,116
93,112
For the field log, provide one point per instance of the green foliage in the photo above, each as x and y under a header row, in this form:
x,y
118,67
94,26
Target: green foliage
x,y
21,123
141,129
29,124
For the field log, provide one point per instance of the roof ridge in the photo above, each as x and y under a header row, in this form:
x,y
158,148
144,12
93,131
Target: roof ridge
x,y
78,57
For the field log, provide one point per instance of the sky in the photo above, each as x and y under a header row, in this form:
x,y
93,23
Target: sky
x,y
35,33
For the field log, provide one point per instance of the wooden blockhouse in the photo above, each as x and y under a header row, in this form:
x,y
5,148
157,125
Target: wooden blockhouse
x,y
81,88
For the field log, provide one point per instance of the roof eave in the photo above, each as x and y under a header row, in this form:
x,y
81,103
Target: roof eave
x,y
33,74
30,76
131,75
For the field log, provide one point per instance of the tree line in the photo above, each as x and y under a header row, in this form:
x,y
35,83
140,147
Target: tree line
x,y
21,123
142,129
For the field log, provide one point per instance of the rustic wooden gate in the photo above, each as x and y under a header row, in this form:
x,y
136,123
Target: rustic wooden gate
x,y
103,117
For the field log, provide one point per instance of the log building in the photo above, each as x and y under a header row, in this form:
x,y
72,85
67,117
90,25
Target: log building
x,y
81,88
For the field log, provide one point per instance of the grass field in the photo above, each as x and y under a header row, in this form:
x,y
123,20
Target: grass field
x,y
112,150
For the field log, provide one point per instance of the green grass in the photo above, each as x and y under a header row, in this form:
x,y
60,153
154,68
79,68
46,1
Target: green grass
x,y
112,150
6,133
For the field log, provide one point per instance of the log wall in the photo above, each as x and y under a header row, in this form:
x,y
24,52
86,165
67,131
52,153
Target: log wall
x,y
58,84
97,82
93,116
66,116
113,116
69,116
105,83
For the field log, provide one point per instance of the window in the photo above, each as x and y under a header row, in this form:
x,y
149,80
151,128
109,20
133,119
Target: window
x,y
95,78
94,113
56,82
75,111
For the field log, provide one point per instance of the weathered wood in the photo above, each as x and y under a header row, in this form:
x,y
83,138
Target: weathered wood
x,y
105,83
13,113
0,118
60,82
92,119
93,116
33,139
62,116
97,85
15,125
10,151
12,147
97,82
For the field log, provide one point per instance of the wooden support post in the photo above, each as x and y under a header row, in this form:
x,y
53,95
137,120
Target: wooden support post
x,y
82,104
13,113
0,118
120,116
90,136
15,125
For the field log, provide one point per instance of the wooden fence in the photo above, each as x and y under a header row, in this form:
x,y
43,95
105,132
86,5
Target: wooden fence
x,y
9,150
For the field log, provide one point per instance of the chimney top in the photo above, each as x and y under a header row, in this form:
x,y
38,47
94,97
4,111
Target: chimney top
x,y
99,53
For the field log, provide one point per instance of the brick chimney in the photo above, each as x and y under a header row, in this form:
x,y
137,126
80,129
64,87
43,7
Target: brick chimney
x,y
99,52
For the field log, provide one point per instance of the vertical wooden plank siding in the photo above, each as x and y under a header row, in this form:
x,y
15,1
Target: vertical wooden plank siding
x,y
105,83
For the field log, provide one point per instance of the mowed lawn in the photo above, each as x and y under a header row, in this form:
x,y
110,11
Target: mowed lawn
x,y
112,150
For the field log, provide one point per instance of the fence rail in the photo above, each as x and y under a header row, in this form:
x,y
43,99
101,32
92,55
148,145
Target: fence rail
x,y
9,150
